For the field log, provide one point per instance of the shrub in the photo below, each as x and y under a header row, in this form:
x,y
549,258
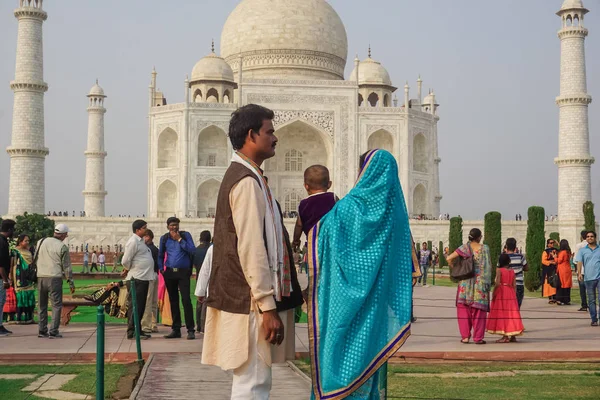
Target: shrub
x,y
443,261
556,237
456,234
37,226
492,236
534,247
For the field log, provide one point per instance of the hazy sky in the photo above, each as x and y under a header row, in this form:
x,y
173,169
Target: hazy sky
x,y
494,66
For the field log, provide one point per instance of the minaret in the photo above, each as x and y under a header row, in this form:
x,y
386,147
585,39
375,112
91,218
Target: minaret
x,y
27,152
574,160
95,193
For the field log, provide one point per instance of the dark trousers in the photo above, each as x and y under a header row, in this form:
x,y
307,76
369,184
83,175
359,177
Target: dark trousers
x,y
180,282
520,294
200,315
141,293
582,294
94,266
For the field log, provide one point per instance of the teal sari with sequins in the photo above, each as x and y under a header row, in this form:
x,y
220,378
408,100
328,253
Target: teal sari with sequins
x,y
360,284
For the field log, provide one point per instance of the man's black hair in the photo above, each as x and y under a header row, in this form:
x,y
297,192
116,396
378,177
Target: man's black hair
x,y
511,244
205,236
7,225
584,234
172,220
244,119
138,224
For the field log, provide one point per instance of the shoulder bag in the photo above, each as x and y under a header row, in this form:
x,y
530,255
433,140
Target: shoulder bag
x,y
463,268
31,273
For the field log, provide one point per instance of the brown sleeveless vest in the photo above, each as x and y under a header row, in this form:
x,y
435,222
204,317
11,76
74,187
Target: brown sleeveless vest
x,y
228,289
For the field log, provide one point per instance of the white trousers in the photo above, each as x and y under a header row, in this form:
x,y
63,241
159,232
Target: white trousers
x,y
149,318
252,381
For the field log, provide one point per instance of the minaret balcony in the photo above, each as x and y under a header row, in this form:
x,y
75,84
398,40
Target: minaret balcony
x,y
24,85
25,152
575,99
574,161
573,31
95,154
31,12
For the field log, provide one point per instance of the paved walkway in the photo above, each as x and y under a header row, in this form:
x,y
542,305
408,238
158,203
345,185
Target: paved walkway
x,y
182,376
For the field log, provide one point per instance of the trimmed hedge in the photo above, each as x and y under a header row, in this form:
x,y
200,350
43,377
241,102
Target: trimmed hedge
x,y
556,237
443,261
492,236
588,215
534,247
456,234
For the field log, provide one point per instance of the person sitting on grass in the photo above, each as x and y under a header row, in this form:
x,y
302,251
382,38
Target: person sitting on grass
x,y
505,317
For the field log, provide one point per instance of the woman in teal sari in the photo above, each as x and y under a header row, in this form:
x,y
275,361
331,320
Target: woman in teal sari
x,y
25,289
360,284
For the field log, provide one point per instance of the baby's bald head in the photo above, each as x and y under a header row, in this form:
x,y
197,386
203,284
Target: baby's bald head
x,y
316,178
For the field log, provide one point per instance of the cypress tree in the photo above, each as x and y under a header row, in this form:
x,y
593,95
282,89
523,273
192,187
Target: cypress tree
x,y
556,237
456,234
588,215
443,261
534,246
492,236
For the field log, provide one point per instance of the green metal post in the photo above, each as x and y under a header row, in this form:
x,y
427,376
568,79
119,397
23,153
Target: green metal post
x,y
136,322
383,382
100,354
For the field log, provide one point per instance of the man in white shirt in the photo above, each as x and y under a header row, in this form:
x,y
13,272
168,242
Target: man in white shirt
x,y
138,265
102,262
582,292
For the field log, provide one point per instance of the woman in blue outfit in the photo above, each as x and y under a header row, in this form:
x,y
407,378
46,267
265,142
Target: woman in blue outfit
x,y
360,284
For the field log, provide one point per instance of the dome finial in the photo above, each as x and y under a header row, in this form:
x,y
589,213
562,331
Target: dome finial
x,y
212,46
96,81
369,50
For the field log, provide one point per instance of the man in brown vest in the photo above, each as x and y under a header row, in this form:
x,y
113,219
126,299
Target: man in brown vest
x,y
252,285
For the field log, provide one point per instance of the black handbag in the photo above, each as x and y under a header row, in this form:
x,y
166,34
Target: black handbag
x,y
554,280
30,274
463,268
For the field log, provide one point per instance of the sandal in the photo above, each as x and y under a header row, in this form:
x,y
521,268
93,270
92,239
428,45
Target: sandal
x,y
465,341
503,340
481,342
513,339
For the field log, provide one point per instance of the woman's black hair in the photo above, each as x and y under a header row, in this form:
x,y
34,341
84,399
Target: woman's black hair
x,y
564,245
362,160
474,234
22,237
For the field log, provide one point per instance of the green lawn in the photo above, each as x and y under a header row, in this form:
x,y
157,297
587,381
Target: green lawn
x,y
520,387
84,383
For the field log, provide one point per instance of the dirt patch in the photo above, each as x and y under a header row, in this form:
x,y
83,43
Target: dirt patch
x,y
128,381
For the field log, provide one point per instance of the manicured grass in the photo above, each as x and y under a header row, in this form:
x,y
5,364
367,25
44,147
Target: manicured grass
x,y
520,387
84,383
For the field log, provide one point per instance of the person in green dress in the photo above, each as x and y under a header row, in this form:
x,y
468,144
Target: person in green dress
x,y
25,289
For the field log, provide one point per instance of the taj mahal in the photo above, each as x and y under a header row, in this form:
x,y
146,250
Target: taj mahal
x,y
289,56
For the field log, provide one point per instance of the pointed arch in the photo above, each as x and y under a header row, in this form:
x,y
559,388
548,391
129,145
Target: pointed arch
x,y
198,96
360,99
381,139
386,100
212,147
227,97
373,99
207,198
212,96
167,149
167,198
419,200
420,154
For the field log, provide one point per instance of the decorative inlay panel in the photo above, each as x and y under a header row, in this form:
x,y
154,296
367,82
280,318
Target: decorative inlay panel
x,y
322,119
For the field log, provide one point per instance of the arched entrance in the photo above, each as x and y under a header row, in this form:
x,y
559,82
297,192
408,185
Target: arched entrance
x,y
167,149
212,147
299,146
381,139
420,155
167,199
419,200
207,198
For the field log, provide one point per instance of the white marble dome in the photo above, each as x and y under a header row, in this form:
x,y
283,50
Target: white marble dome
x,y
96,90
570,4
212,68
286,39
371,72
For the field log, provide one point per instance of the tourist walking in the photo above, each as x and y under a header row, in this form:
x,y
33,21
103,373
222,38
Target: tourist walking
x,y
94,261
424,262
175,254
53,262
581,282
201,291
518,264
565,274
150,318
548,269
252,284
115,261
588,259
86,262
473,296
376,317
7,230
139,267
102,262
505,317
199,256
22,280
